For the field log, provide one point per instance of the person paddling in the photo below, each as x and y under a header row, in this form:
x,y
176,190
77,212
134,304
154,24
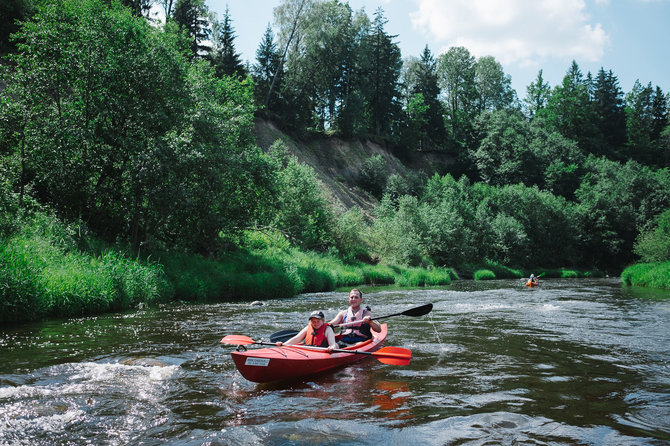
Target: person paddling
x,y
316,333
356,312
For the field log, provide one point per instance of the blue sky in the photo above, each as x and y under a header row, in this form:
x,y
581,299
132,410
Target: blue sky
x,y
629,37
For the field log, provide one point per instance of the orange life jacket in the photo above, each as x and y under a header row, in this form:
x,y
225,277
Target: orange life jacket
x,y
318,337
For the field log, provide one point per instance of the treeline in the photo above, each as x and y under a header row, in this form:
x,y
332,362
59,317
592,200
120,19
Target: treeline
x,y
141,133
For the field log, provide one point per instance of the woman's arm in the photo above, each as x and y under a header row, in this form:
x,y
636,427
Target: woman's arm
x,y
295,339
330,335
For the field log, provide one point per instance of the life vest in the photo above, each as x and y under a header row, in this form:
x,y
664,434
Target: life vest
x,y
359,333
317,338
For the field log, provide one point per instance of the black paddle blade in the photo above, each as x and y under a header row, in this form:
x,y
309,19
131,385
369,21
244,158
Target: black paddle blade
x,y
418,311
282,336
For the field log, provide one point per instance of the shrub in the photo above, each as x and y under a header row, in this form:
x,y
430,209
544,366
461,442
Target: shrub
x,y
484,274
373,175
654,245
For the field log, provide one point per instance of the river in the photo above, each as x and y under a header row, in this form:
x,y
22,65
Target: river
x,y
570,362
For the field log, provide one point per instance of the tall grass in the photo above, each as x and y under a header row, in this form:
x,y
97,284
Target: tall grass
x,y
653,275
41,275
484,274
415,277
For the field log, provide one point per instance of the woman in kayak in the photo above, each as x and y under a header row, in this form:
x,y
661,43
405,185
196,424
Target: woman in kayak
x,y
316,333
355,312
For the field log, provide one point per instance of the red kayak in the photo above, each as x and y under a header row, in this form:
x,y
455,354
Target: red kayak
x,y
531,284
295,361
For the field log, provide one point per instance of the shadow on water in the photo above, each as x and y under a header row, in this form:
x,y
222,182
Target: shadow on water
x,y
569,362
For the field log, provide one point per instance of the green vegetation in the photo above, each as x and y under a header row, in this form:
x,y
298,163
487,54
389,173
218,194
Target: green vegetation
x,y
129,170
654,275
48,270
484,274
43,273
653,246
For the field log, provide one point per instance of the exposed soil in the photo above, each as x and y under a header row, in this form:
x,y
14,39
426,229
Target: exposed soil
x,y
337,162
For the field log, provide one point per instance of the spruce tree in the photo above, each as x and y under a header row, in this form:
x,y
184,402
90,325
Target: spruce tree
x,y
266,66
225,59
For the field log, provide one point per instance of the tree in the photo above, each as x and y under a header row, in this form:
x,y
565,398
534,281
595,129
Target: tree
x,y
456,71
569,109
414,132
659,115
192,16
139,8
640,123
422,77
615,202
12,11
607,99
493,87
302,210
653,245
504,155
289,17
266,67
147,158
381,64
537,95
224,58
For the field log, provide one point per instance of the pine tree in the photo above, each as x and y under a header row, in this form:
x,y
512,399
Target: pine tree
x,y
537,95
569,110
224,58
425,83
381,63
659,113
191,15
267,65
608,103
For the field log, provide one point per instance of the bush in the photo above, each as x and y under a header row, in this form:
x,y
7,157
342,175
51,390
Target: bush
x,y
654,245
373,174
414,277
484,274
654,275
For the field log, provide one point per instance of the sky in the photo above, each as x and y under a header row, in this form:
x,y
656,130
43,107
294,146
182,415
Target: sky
x,y
629,37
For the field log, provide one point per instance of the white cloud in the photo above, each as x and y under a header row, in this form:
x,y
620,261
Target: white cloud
x,y
513,31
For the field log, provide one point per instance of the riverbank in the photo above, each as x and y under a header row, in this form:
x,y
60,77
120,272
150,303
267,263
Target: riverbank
x,y
52,270
652,275
47,270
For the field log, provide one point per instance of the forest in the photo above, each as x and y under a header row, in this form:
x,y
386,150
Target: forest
x,y
129,171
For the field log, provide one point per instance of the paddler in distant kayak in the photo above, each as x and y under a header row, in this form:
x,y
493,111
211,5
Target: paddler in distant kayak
x,y
356,312
316,333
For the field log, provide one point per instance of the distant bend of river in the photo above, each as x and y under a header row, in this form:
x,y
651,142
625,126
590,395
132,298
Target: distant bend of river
x,y
583,361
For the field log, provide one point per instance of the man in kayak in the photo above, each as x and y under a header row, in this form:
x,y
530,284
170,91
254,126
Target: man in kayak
x,y
316,333
361,331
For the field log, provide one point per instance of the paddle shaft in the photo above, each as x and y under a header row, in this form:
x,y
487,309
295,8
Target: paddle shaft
x,y
313,347
418,311
390,353
285,335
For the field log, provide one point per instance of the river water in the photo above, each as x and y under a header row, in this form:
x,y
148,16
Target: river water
x,y
570,362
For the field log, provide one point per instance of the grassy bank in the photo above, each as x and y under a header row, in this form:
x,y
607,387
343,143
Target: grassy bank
x,y
652,275
492,270
47,270
44,274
